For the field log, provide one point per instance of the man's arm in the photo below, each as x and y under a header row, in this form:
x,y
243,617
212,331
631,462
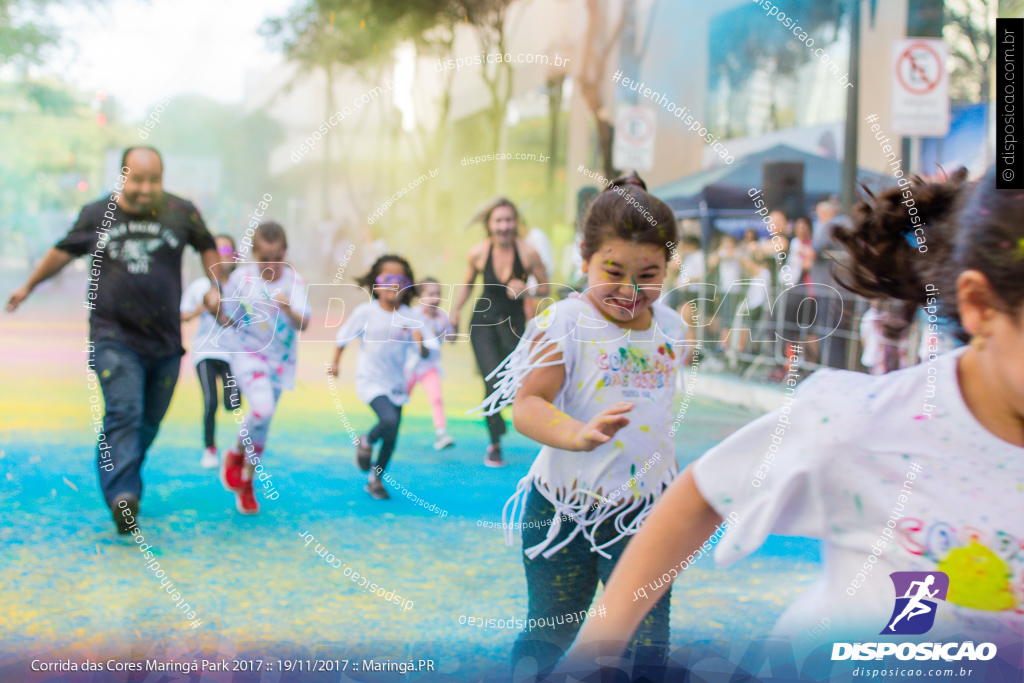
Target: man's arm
x,y
212,303
53,262
210,258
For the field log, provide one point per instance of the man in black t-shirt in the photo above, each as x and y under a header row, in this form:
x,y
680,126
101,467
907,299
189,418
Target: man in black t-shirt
x,y
135,237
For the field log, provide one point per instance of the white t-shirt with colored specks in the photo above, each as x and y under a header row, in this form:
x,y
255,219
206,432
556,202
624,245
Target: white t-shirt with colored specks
x,y
261,336
190,300
386,344
604,364
437,328
893,473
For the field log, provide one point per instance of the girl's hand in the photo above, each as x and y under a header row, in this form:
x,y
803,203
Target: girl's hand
x,y
333,370
602,427
282,302
453,321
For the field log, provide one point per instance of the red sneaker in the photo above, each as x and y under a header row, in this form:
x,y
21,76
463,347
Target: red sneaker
x,y
231,471
245,500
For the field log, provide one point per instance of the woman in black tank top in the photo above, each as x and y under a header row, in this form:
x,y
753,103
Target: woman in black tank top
x,y
499,316
501,307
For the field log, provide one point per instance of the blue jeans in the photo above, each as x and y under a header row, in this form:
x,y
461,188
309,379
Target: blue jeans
x,y
137,391
566,584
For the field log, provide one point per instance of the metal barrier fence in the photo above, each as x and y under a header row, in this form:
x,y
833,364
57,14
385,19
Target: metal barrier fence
x,y
823,320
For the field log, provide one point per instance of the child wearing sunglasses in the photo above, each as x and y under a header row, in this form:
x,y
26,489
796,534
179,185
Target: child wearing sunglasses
x,y
211,362
390,331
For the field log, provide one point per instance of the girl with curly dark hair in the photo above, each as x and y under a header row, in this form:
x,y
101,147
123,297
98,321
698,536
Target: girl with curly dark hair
x,y
389,331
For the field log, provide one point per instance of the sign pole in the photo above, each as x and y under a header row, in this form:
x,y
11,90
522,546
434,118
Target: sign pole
x,y
852,117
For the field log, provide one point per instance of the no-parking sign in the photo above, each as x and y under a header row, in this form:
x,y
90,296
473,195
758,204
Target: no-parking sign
x,y
634,139
920,87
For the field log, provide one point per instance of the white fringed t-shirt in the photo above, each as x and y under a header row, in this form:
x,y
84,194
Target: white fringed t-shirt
x,y
604,364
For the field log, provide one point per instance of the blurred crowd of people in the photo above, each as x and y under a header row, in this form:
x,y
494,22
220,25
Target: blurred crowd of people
x,y
742,305
731,289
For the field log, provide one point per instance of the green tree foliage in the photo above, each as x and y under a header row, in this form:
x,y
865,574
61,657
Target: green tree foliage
x,y
321,34
196,125
51,161
969,33
23,38
745,40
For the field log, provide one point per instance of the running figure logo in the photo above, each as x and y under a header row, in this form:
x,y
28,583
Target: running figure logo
x,y
914,612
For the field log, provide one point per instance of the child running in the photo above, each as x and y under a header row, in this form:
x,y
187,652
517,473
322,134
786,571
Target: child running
x,y
918,470
389,331
427,371
264,305
593,380
211,362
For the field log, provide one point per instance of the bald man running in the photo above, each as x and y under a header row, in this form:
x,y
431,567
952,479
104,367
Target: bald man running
x,y
136,237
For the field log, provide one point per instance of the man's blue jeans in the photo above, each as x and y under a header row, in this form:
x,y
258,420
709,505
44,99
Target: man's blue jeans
x,y
137,391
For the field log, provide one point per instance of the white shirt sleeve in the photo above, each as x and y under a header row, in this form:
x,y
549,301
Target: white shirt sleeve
x,y
553,330
297,301
670,323
434,332
776,491
444,325
566,328
354,327
193,295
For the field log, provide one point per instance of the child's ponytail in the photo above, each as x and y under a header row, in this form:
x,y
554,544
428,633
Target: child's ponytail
x,y
898,237
965,226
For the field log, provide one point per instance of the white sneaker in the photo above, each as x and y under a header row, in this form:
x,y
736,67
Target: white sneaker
x,y
443,441
209,459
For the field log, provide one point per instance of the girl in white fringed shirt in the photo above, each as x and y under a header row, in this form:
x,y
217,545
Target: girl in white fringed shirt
x,y
593,380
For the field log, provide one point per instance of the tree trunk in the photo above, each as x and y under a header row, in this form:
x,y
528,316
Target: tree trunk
x,y
554,110
329,100
591,78
605,138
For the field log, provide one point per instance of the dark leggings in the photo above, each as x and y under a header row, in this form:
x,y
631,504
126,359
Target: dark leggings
x,y
389,416
209,370
491,344
566,584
